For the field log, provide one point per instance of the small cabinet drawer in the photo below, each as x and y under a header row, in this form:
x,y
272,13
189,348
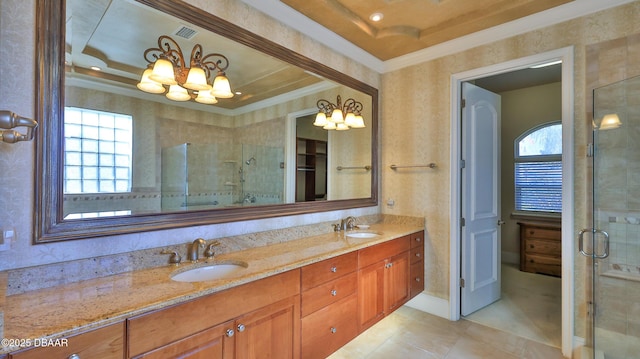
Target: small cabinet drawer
x,y
328,329
541,233
331,292
417,239
537,246
106,342
380,252
329,269
543,264
417,278
417,254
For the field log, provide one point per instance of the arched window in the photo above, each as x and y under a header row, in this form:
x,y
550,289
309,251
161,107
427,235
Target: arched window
x,y
538,169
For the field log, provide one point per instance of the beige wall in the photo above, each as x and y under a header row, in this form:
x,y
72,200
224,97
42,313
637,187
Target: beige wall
x,y
522,110
417,129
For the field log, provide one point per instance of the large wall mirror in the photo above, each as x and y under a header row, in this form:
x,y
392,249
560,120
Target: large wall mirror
x,y
114,159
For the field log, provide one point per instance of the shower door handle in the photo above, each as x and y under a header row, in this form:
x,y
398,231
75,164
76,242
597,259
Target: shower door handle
x,y
594,231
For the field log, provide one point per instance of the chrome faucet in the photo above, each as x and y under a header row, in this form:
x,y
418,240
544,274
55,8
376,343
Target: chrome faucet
x,y
193,249
348,223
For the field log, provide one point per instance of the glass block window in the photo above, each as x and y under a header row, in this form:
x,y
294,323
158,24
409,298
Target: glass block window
x,y
98,151
538,169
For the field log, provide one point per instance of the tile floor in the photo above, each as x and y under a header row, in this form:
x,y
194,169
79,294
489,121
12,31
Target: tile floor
x,y
412,334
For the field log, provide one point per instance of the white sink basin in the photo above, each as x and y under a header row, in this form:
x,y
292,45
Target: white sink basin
x,y
362,234
213,271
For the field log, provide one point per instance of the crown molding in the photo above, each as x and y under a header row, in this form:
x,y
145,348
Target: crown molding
x,y
301,23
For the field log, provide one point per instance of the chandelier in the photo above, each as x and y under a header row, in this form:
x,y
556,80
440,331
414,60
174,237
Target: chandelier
x,y
167,69
339,116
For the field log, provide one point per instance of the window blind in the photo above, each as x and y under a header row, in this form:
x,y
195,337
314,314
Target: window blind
x,y
539,186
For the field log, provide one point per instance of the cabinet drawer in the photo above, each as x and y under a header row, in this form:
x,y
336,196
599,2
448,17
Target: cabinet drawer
x,y
541,233
104,343
329,269
153,330
331,292
417,278
328,329
543,264
417,239
380,252
417,254
547,247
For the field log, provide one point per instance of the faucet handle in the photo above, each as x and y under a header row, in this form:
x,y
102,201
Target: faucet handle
x,y
175,258
209,253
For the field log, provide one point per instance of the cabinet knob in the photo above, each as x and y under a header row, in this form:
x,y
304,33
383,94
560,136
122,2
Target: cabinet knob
x,y
230,333
333,330
73,356
241,328
418,239
418,255
334,292
334,269
417,279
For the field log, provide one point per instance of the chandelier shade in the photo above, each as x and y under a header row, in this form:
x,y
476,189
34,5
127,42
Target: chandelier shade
x,y
168,69
339,116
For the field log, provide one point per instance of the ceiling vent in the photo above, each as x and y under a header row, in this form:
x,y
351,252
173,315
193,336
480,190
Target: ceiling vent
x,y
185,32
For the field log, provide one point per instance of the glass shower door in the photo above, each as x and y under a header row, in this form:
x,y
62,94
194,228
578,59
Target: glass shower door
x,y
613,244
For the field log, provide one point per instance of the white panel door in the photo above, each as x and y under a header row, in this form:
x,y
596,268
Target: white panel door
x,y
480,198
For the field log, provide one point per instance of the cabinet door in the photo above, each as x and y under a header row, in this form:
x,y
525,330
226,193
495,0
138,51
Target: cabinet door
x,y
212,343
102,343
396,281
270,332
371,294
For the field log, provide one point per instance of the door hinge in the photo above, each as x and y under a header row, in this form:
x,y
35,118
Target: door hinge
x,y
463,164
464,103
463,222
461,282
590,150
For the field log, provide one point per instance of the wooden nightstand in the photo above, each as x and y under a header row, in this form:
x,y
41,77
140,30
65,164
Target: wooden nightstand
x,y
541,248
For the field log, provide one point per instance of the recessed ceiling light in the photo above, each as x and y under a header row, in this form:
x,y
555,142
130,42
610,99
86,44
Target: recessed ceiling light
x,y
96,68
377,16
238,93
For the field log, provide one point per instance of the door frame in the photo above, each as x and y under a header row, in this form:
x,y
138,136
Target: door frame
x,y
566,55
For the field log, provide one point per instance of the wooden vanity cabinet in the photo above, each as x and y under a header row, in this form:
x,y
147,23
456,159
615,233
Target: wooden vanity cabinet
x,y
329,305
257,319
417,263
102,343
383,280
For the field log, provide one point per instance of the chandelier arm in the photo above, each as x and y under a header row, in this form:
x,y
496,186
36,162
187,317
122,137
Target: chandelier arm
x,y
325,106
170,53
217,62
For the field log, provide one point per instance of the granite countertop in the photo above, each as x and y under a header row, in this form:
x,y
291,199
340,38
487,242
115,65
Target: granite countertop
x,y
72,308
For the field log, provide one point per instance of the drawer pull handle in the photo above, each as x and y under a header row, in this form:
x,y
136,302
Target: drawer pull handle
x,y
334,292
73,356
241,328
334,269
230,332
333,330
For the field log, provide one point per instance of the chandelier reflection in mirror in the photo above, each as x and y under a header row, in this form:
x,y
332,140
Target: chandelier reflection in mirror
x,y
339,116
167,69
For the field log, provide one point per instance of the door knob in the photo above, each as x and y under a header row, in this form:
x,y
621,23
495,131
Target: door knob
x,y
500,222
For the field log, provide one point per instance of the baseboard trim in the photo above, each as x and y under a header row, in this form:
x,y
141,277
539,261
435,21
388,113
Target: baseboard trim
x,y
430,304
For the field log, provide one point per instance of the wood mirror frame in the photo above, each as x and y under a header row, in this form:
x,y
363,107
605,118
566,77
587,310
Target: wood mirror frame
x,y
50,72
